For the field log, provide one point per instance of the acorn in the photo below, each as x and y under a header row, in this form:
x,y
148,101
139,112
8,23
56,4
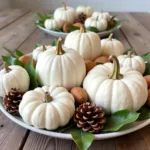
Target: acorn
x,y
79,94
89,65
148,99
65,28
102,59
147,78
26,58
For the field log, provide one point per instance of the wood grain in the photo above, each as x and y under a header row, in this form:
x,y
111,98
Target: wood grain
x,y
10,16
137,35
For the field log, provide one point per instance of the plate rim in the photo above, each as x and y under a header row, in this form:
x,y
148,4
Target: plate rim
x,y
68,136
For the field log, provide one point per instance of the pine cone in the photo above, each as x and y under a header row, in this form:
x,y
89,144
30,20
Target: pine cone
x,y
81,18
89,117
12,101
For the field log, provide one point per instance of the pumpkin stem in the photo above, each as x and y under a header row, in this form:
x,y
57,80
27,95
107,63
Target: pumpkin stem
x,y
110,36
129,54
82,29
48,98
115,75
59,50
44,48
7,69
64,5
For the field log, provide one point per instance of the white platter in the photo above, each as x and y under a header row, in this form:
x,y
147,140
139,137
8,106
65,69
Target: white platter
x,y
126,130
63,35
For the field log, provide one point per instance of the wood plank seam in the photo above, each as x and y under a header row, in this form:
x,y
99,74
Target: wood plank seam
x,y
15,20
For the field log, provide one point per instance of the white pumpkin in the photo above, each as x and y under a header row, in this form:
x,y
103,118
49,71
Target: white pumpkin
x,y
101,15
114,91
39,50
87,10
111,46
47,107
61,67
86,43
52,24
13,77
65,13
132,61
101,24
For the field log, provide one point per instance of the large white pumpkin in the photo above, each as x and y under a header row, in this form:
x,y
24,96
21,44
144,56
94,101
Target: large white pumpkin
x,y
101,24
87,10
39,50
101,15
86,43
65,13
61,67
110,46
52,24
132,61
13,77
47,107
114,91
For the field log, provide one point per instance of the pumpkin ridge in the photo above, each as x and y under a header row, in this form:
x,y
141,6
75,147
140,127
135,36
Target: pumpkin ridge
x,y
91,43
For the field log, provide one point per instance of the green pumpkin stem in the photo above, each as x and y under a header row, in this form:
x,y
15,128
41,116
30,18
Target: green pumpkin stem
x,y
110,36
129,54
59,49
7,69
64,5
44,48
82,29
48,98
115,75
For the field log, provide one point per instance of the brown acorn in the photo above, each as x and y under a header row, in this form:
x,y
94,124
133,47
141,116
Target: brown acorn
x,y
26,58
89,65
147,78
65,28
79,94
148,99
111,23
102,59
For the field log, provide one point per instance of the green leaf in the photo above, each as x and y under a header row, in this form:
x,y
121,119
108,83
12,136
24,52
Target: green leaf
x,y
147,70
113,17
57,30
82,139
72,28
116,25
18,53
11,60
41,16
144,113
99,63
54,43
9,51
92,29
37,45
146,56
119,119
32,74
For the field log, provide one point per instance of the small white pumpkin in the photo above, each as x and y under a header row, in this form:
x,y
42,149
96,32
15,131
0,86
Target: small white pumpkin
x,y
132,61
101,15
101,24
61,67
47,107
52,24
111,46
65,13
87,10
86,43
39,50
114,91
13,77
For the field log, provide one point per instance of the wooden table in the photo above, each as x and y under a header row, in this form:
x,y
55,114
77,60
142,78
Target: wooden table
x,y
17,30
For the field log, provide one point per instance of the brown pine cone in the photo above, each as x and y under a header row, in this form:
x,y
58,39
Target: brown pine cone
x,y
89,117
12,101
81,18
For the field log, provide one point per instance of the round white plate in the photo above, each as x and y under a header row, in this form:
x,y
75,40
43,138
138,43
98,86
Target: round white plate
x,y
127,129
63,35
